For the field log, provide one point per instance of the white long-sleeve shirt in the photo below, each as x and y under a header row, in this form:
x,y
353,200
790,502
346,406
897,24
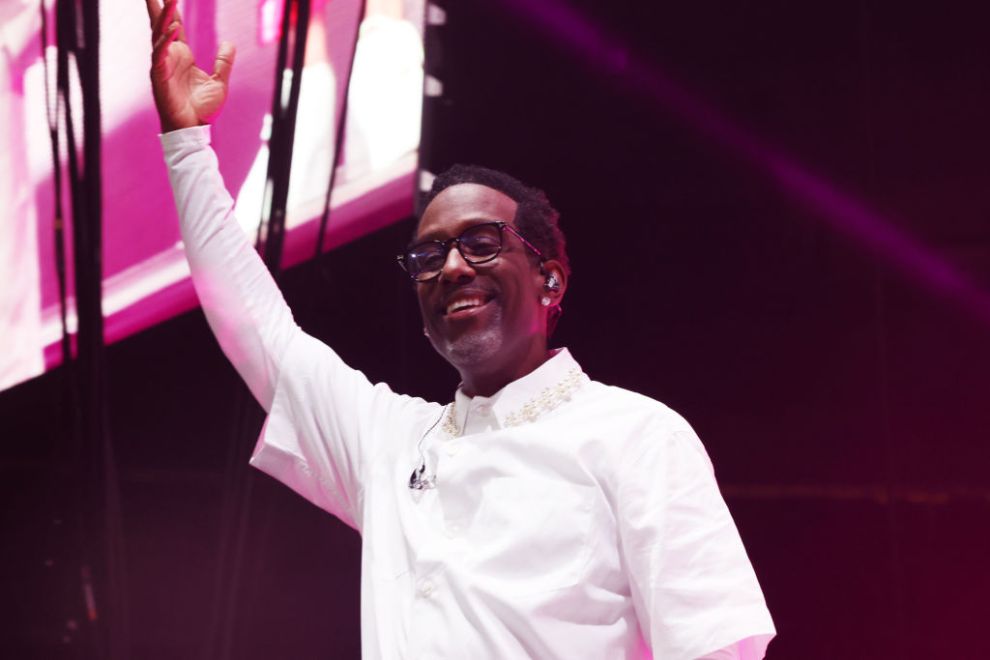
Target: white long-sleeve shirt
x,y
563,518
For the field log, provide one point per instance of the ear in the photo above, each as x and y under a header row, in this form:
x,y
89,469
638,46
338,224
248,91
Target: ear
x,y
553,281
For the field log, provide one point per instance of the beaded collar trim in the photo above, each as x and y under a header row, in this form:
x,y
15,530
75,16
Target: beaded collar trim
x,y
547,400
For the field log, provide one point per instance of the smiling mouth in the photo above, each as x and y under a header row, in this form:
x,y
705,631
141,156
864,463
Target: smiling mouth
x,y
466,305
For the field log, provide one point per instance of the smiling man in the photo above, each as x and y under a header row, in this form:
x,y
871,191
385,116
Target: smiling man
x,y
480,301
539,513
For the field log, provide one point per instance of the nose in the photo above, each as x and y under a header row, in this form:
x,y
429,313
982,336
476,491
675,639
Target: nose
x,y
455,267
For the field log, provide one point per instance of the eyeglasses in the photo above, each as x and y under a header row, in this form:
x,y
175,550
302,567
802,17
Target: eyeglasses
x,y
477,244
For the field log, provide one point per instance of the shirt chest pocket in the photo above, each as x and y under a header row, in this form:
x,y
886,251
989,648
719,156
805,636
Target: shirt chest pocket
x,y
533,535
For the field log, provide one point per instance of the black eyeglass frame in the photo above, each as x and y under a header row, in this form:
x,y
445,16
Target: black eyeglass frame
x,y
456,240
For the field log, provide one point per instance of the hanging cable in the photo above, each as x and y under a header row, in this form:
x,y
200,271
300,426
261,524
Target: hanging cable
x,y
99,515
247,415
58,223
339,137
285,103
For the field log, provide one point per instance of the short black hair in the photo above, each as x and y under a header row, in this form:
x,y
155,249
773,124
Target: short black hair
x,y
535,218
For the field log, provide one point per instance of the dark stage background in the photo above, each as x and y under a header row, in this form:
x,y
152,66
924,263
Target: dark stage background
x,y
838,381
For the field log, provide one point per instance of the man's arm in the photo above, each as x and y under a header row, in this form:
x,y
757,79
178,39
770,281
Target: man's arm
x,y
244,307
694,589
324,417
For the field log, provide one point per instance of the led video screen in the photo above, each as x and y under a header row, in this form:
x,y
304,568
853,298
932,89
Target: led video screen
x,y
370,54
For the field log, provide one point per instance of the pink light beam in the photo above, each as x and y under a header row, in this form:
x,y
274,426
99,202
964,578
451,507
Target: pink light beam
x,y
597,49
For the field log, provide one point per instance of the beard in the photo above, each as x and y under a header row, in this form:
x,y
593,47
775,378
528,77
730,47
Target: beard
x,y
473,348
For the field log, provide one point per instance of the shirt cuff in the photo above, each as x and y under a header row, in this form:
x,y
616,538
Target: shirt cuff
x,y
194,136
751,648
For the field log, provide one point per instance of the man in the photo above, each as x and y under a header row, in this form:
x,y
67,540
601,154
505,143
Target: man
x,y
540,514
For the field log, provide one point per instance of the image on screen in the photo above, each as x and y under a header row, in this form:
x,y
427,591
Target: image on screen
x,y
370,54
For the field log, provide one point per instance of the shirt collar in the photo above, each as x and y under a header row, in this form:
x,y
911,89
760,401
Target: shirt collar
x,y
513,397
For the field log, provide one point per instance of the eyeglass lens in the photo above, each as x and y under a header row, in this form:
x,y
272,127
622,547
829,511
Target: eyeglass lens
x,y
476,244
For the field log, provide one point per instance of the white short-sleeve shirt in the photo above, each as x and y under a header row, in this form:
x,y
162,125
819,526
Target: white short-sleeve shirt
x,y
564,518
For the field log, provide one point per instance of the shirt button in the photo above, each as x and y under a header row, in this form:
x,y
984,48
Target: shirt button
x,y
425,588
451,449
453,529
484,408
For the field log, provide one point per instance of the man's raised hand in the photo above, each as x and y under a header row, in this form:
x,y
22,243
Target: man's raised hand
x,y
185,95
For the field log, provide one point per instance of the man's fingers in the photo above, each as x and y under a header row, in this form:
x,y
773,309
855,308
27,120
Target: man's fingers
x,y
154,9
178,17
169,16
165,19
161,48
224,61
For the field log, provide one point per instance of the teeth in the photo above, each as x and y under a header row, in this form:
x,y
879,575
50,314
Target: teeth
x,y
464,303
